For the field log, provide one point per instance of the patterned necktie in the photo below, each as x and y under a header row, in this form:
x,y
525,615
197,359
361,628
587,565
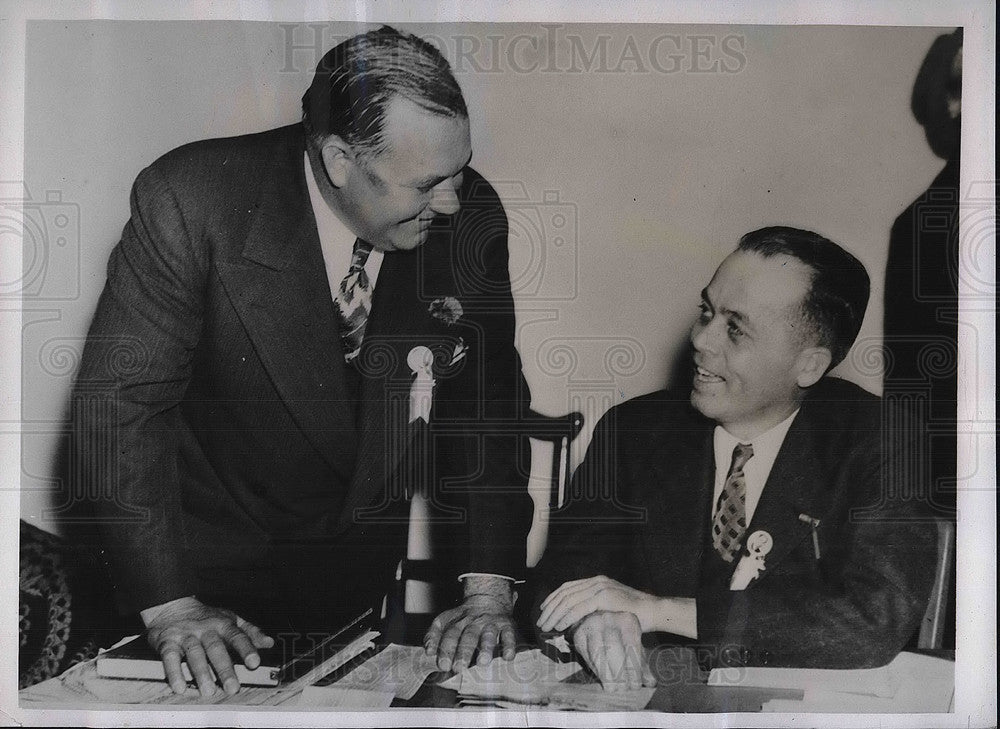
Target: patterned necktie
x,y
354,301
730,521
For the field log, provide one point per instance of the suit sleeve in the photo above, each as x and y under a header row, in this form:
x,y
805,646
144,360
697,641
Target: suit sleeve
x,y
584,541
498,506
134,371
866,598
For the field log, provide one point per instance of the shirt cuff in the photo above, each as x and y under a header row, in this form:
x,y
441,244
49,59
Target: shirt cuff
x,y
489,574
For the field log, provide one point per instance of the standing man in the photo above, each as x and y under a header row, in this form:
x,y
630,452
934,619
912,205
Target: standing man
x,y
921,289
773,530
315,319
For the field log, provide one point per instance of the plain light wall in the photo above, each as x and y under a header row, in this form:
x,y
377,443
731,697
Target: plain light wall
x,y
625,184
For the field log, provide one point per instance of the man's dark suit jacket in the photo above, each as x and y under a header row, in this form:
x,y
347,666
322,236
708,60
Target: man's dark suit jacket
x,y
639,511
233,453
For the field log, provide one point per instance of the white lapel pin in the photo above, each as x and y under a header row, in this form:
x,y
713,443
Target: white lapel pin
x,y
420,360
759,544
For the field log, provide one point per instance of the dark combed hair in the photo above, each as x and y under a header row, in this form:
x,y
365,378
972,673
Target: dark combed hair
x,y
940,79
355,81
835,304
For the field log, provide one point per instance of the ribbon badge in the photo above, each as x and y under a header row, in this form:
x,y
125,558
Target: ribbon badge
x,y
420,360
759,544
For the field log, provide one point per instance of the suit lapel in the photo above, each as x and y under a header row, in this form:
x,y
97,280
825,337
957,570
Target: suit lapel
x,y
795,486
279,289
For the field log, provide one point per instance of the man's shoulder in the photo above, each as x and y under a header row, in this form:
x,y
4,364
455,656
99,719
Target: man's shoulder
x,y
840,401
477,191
669,408
231,156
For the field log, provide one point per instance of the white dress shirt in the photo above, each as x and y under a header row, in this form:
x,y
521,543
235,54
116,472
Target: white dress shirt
x,y
757,469
336,239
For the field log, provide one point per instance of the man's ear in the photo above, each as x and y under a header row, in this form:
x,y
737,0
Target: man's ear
x,y
337,157
812,364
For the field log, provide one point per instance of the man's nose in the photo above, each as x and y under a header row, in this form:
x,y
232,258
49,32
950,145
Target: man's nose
x,y
702,338
444,199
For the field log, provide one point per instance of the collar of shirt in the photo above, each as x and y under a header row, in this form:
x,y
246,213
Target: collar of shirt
x,y
336,239
757,469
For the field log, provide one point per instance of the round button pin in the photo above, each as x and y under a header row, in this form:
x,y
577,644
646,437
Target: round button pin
x,y
420,358
760,542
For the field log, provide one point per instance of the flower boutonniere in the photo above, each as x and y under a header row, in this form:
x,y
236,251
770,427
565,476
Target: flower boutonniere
x,y
447,309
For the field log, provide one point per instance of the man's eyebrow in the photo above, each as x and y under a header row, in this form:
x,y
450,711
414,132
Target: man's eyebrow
x,y
739,317
434,181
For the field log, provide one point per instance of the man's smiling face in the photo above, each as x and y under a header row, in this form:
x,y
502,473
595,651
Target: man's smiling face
x,y
390,198
748,341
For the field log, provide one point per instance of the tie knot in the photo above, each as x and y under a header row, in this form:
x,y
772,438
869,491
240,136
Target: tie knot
x,y
742,453
360,255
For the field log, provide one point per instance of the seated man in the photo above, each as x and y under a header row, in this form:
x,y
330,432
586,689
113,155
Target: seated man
x,y
764,523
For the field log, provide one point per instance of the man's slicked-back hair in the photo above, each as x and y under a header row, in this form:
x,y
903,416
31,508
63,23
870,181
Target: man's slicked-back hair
x,y
356,79
834,307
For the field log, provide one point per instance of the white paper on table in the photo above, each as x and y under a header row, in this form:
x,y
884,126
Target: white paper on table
x,y
592,697
559,642
883,682
921,697
399,670
530,677
345,698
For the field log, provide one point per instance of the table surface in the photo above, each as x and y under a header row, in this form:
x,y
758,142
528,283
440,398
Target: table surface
x,y
681,686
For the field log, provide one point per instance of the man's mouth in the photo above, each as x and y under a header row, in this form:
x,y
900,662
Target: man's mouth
x,y
703,375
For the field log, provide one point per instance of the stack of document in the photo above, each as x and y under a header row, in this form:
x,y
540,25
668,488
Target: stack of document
x,y
396,672
910,683
534,679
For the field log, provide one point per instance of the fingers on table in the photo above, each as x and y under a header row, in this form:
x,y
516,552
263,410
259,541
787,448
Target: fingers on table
x,y
259,638
488,640
508,642
614,653
467,643
243,645
457,637
573,600
432,639
447,642
221,663
577,612
564,588
171,654
197,661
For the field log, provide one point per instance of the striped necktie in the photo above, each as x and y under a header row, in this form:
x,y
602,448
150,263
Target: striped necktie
x,y
354,301
730,521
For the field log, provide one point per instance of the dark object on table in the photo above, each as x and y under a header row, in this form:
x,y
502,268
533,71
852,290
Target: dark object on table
x,y
138,659
60,613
